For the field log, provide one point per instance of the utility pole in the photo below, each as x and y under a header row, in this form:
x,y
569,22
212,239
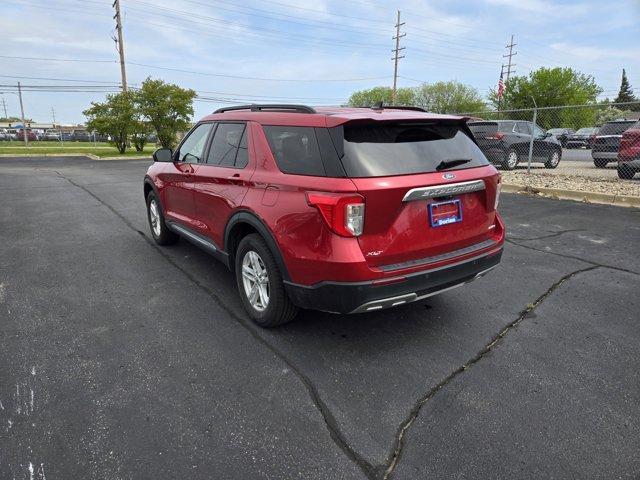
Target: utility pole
x,y
24,124
396,57
120,44
4,106
53,115
510,56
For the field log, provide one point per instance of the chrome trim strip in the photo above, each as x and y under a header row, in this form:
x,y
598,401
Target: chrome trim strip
x,y
412,297
438,258
191,236
443,190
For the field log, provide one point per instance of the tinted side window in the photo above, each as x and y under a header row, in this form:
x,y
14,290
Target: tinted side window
x,y
295,149
224,146
192,148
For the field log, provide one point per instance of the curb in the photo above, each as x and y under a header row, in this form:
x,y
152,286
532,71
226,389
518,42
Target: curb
x,y
585,197
90,156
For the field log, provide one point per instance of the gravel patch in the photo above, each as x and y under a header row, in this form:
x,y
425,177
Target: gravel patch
x,y
573,181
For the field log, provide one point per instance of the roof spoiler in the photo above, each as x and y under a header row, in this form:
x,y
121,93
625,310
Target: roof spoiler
x,y
270,107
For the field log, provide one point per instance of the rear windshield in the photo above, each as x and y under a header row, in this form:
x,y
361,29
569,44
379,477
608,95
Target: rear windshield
x,y
614,128
586,131
376,150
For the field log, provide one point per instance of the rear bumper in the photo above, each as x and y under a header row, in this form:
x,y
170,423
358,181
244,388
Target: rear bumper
x,y
357,297
599,155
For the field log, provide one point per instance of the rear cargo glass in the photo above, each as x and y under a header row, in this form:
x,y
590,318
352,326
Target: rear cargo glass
x,y
377,150
614,128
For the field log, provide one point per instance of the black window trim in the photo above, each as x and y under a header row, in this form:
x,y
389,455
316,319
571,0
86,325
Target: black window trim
x,y
210,142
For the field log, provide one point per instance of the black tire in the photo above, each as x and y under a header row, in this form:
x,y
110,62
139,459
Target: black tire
x,y
508,163
600,163
279,309
625,172
553,160
162,235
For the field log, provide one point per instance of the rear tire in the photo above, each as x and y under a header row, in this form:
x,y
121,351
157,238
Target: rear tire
x,y
511,160
599,163
625,172
256,267
159,231
553,160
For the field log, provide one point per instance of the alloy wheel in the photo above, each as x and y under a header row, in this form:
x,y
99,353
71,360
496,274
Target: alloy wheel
x,y
255,281
154,217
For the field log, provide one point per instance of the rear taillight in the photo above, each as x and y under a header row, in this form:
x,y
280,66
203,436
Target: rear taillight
x,y
343,214
496,136
498,188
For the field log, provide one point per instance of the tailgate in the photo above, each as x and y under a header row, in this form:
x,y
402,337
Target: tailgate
x,y
410,219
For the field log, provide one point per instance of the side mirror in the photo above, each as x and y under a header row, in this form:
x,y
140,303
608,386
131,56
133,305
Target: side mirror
x,y
162,155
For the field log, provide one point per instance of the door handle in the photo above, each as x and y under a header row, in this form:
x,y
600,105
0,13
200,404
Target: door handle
x,y
235,176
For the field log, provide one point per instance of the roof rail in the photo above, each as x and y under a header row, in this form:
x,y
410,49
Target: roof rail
x,y
268,107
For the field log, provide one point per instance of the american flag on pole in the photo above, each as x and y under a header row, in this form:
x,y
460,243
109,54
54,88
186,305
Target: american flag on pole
x,y
500,87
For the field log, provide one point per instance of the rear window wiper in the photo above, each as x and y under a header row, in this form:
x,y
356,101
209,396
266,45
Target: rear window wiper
x,y
444,164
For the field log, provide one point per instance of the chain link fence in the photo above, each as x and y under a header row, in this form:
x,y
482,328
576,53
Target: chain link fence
x,y
594,148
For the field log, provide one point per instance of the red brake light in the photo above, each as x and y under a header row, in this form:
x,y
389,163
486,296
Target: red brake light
x,y
343,214
496,136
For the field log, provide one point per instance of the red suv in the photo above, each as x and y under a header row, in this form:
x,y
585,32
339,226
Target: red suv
x,y
629,153
343,210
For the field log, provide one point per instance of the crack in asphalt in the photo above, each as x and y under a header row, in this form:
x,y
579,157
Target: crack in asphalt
x,y
551,235
387,470
336,435
399,442
573,257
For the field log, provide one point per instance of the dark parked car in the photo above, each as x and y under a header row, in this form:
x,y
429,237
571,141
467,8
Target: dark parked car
x,y
607,142
81,136
562,134
629,153
582,138
506,143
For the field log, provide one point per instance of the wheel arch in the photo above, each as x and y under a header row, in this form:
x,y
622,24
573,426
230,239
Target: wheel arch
x,y
243,223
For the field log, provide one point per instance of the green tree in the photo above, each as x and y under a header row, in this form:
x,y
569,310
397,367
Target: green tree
x,y
549,87
448,97
626,92
166,107
373,96
116,117
604,115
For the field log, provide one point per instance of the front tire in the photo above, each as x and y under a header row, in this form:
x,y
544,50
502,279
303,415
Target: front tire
x,y
511,160
554,159
159,231
625,172
260,284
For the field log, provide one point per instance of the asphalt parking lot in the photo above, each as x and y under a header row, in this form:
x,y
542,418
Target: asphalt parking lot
x,y
121,360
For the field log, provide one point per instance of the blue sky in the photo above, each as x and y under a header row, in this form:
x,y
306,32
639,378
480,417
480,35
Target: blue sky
x,y
306,51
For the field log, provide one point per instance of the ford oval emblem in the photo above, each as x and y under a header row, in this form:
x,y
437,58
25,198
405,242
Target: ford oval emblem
x,y
449,176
